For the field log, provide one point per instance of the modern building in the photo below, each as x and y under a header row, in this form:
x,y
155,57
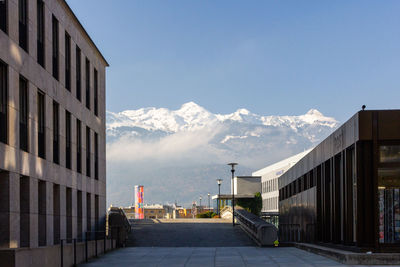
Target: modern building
x,y
269,185
52,130
244,187
346,191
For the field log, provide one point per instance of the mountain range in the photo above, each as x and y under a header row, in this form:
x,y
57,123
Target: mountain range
x,y
178,154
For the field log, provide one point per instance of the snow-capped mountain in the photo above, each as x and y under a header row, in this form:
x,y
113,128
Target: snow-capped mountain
x,y
192,117
190,146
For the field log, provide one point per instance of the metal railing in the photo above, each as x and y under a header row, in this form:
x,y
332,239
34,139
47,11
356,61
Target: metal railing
x,y
89,236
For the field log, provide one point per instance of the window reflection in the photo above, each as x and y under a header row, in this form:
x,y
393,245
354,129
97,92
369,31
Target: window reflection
x,y
388,154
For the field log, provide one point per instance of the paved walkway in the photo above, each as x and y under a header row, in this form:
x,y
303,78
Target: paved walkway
x,y
202,243
211,257
188,233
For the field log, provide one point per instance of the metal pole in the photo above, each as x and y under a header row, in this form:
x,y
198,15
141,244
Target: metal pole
x,y
218,198
209,202
233,197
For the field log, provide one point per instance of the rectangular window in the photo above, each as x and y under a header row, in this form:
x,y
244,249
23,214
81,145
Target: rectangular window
x,y
68,202
87,151
87,72
96,97
41,125
96,156
78,146
67,140
55,47
67,61
23,24
42,213
78,73
23,114
3,15
96,213
56,133
56,213
79,215
3,102
24,207
88,213
389,154
40,32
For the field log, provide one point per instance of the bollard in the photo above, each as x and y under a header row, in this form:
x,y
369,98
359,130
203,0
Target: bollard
x,y
86,246
105,245
62,255
74,252
95,240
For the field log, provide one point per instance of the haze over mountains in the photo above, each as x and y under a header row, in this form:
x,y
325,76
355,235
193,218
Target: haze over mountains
x,y
178,154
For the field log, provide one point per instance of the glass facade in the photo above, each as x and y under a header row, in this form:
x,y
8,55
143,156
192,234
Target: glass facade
x,y
389,205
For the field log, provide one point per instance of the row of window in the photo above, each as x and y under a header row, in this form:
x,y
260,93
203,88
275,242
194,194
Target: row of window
x,y
41,109
269,186
301,184
270,203
25,212
23,42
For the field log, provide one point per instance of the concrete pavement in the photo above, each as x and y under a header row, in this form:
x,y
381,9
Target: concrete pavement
x,y
211,257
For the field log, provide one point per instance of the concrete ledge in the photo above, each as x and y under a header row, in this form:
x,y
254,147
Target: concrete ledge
x,y
51,255
348,257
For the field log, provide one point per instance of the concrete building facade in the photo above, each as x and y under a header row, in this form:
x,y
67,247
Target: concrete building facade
x,y
52,126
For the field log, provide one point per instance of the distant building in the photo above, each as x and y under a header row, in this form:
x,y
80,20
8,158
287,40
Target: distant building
x,y
155,211
52,132
269,185
244,187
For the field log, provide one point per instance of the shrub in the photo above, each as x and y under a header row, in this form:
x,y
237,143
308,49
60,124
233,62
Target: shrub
x,y
207,214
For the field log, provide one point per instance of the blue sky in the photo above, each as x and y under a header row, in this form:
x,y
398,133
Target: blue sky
x,y
271,57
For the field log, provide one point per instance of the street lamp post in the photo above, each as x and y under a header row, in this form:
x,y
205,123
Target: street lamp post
x,y
219,181
208,201
200,203
233,192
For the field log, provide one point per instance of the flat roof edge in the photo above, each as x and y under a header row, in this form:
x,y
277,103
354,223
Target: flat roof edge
x,y
64,2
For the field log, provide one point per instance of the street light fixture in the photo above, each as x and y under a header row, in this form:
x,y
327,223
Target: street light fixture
x,y
200,202
233,191
219,182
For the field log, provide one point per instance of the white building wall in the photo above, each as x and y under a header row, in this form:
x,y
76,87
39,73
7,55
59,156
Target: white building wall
x,y
269,181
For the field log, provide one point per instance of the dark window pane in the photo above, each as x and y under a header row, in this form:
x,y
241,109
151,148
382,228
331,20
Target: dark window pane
x,y
23,24
78,73
96,156
96,93
87,151
56,133
67,61
41,125
40,32
3,15
78,146
23,114
55,47
87,72
68,140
